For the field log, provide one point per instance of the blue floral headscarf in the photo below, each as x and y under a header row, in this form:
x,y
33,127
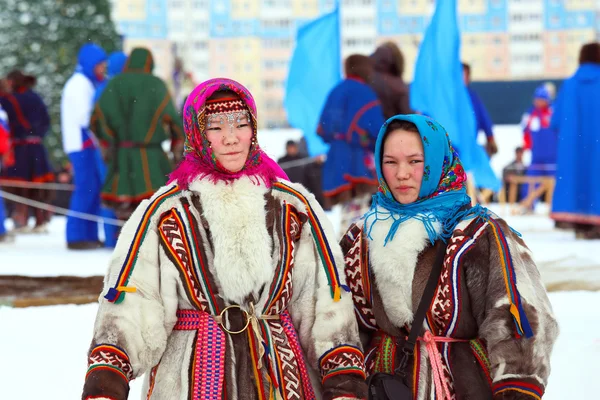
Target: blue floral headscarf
x,y
443,195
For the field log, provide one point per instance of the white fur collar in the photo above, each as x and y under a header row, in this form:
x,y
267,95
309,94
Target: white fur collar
x,y
394,265
236,216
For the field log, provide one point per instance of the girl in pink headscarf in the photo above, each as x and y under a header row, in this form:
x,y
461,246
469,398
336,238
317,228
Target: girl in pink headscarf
x,y
225,284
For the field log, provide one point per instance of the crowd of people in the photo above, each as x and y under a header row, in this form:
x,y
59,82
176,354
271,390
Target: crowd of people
x,y
228,280
115,158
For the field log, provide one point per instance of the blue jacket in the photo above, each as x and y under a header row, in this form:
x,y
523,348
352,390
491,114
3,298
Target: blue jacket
x,y
350,122
115,65
27,113
482,118
89,56
576,118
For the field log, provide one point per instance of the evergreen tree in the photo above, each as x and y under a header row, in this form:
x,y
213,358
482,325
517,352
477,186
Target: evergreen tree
x,y
43,37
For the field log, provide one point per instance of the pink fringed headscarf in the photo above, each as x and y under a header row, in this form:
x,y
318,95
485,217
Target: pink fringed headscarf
x,y
199,160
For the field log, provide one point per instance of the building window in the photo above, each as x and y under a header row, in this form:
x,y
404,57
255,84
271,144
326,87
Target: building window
x,y
556,62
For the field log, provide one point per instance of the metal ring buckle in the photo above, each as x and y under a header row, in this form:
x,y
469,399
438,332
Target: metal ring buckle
x,y
222,318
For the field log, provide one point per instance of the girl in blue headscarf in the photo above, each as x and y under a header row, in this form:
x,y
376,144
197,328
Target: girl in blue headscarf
x,y
489,331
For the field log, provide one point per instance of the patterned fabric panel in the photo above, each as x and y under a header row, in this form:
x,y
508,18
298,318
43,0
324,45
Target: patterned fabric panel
x,y
175,239
281,287
480,352
109,357
342,360
356,261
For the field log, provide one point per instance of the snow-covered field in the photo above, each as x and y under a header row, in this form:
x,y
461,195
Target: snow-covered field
x,y
43,350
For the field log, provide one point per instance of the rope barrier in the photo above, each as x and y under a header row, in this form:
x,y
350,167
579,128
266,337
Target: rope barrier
x,y
71,187
60,210
37,185
300,162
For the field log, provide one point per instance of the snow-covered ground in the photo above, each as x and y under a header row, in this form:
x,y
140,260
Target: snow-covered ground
x,y
43,350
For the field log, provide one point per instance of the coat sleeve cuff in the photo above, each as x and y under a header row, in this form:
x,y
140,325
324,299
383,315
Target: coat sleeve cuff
x,y
516,389
343,373
108,375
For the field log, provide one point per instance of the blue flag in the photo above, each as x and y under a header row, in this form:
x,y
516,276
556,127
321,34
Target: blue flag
x,y
314,70
438,90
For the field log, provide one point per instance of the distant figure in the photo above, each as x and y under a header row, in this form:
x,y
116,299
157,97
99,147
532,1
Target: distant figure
x,y
29,124
296,173
115,64
515,168
482,117
386,80
134,115
81,145
350,121
576,118
314,172
538,136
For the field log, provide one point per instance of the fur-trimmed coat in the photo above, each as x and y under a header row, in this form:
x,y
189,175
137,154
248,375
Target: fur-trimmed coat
x,y
183,257
470,304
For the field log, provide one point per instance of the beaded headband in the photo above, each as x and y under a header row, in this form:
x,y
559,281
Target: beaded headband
x,y
230,110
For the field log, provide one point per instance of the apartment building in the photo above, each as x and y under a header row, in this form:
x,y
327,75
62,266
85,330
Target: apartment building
x,y
252,40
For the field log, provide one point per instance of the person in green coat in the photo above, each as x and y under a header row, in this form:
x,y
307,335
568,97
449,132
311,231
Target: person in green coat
x,y
132,118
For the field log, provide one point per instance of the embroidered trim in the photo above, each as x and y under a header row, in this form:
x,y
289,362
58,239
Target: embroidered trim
x,y
342,360
323,248
510,279
283,275
152,380
112,358
356,266
201,262
174,236
253,343
527,388
294,342
481,355
116,294
386,354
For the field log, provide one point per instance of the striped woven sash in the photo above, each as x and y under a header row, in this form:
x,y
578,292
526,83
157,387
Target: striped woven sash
x,y
209,352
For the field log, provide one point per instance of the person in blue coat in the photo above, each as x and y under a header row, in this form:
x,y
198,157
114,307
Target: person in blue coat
x,y
80,145
576,118
29,124
115,64
538,137
349,123
482,117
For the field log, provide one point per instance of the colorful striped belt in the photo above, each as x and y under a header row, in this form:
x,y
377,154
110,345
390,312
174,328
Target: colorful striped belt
x,y
27,140
132,145
209,355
